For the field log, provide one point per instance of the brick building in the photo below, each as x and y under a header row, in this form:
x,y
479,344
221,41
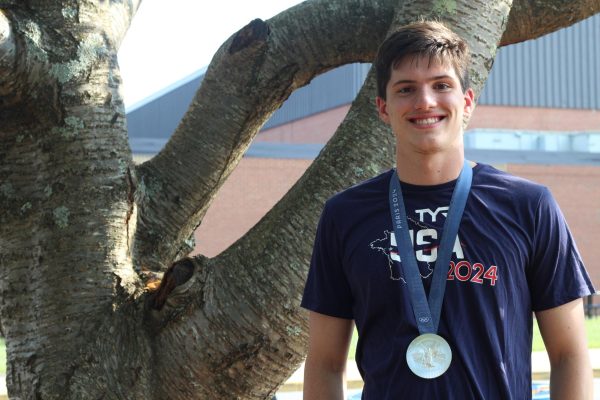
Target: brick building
x,y
538,117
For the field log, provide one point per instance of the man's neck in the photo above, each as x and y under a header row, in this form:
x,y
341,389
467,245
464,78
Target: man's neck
x,y
427,169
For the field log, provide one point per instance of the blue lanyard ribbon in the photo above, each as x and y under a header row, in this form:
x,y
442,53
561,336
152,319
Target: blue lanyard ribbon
x,y
427,313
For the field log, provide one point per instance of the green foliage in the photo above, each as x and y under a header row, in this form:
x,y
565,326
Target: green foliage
x,y
538,342
592,326
2,357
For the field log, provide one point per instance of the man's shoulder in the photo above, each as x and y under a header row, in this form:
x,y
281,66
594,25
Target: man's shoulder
x,y
496,181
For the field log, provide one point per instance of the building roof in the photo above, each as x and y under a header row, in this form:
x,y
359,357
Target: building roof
x,y
558,70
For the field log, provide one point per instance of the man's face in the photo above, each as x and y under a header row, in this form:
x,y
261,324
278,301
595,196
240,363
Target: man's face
x,y
425,106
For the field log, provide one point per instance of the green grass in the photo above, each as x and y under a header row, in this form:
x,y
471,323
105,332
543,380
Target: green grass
x,y
592,326
2,357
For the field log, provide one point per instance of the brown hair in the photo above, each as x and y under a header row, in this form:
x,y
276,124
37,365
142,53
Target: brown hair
x,y
429,39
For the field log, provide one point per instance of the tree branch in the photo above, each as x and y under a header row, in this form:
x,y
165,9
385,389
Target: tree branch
x,y
531,19
252,74
252,80
30,67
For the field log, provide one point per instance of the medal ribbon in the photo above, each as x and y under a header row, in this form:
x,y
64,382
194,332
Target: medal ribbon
x,y
427,313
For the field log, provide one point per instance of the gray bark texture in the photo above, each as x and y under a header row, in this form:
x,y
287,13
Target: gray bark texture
x,y
84,231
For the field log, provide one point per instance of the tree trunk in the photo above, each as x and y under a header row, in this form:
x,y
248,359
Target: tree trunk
x,y
82,229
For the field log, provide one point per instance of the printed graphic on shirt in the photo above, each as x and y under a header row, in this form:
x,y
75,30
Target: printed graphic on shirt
x,y
425,241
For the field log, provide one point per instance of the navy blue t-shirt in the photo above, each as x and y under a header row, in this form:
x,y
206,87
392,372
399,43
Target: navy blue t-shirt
x,y
513,255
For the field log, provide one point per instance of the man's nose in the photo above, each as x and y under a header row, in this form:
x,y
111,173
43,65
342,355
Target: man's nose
x,y
425,99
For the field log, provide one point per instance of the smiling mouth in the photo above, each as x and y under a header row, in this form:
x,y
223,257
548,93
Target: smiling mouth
x,y
426,121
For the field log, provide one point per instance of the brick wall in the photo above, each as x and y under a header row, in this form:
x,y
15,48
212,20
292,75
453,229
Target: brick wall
x,y
262,182
532,118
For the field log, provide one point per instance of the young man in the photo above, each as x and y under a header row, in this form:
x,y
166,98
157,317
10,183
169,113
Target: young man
x,y
513,254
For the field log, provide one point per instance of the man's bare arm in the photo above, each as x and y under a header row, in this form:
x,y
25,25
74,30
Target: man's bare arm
x,y
325,367
563,331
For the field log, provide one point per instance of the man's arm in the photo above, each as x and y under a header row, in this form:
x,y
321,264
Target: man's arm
x,y
325,367
563,331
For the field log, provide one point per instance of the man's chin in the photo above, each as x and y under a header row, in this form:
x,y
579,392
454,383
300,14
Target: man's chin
x,y
433,147
429,147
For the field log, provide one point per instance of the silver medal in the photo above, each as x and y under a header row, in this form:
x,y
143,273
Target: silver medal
x,y
428,356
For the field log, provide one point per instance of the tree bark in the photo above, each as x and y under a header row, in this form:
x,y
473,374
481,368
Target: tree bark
x,y
530,19
67,285
81,224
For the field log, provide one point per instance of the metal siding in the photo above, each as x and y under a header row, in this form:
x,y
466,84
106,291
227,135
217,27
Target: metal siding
x,y
595,67
159,117
572,69
593,62
578,54
506,83
552,76
558,70
329,90
528,56
562,65
528,82
588,66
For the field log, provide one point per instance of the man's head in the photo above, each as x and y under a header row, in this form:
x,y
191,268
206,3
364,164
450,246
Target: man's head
x,y
428,40
423,89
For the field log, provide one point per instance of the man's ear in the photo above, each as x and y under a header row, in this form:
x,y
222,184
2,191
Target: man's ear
x,y
469,96
382,109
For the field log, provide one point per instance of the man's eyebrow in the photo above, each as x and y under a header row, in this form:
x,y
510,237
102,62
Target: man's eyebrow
x,y
433,78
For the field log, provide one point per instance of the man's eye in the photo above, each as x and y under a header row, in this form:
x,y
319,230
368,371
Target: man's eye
x,y
442,86
404,90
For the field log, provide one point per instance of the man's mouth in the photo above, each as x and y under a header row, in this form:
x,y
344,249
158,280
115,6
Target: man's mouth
x,y
426,121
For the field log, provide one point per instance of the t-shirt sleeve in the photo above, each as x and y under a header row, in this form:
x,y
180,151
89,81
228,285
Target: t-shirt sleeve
x,y
556,274
327,290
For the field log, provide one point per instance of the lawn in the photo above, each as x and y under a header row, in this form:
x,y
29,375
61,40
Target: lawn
x,y
2,357
592,326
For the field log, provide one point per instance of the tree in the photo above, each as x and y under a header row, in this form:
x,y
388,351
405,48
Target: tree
x,y
84,231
